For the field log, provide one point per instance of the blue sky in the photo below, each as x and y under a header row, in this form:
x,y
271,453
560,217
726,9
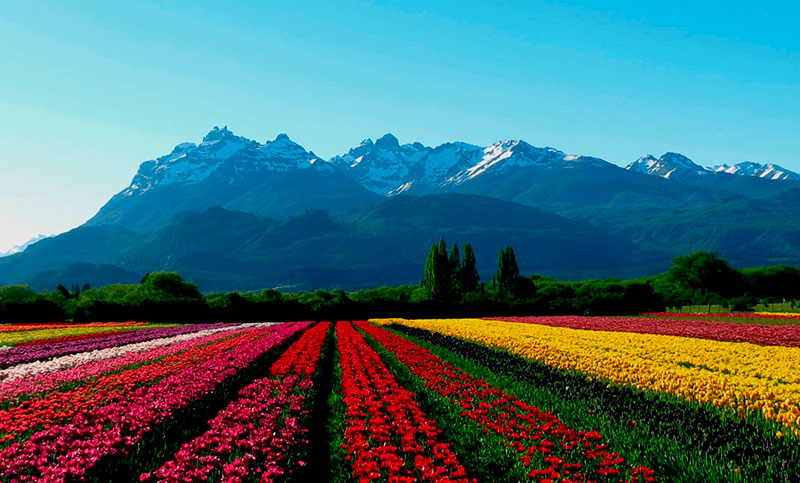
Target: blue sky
x,y
88,90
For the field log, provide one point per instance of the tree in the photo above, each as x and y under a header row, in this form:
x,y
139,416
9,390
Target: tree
x,y
700,275
454,267
62,290
438,281
467,273
507,272
169,285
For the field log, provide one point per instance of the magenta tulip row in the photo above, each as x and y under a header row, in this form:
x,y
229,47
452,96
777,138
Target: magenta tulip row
x,y
783,335
256,433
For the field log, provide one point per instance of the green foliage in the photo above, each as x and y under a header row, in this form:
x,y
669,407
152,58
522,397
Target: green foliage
x,y
781,282
507,277
467,272
455,267
170,286
702,276
438,280
451,287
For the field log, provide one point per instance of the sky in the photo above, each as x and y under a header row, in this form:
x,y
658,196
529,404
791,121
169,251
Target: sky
x,y
89,90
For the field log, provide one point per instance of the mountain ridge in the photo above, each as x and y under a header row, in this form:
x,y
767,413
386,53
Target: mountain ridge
x,y
275,213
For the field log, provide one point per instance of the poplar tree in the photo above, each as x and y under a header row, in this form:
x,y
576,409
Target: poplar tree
x,y
438,279
507,272
455,270
467,272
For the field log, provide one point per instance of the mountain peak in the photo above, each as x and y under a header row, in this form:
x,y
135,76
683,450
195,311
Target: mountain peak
x,y
680,160
667,166
387,141
217,134
750,168
282,137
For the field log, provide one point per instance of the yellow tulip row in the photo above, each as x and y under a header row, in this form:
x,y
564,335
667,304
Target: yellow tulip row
x,y
12,338
740,376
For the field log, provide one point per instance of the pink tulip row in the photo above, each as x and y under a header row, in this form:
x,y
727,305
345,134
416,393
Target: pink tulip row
x,y
58,407
43,376
783,335
746,315
66,452
261,427
19,355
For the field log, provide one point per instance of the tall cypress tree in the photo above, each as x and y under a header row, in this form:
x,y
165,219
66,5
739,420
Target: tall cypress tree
x,y
454,264
507,272
468,273
428,282
438,279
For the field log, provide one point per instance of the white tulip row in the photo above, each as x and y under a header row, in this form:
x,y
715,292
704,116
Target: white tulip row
x,y
73,360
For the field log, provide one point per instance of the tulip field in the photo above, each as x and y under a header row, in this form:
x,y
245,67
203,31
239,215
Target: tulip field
x,y
658,397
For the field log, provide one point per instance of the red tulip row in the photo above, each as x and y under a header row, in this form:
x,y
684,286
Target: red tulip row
x,y
387,434
302,357
783,335
66,452
254,434
552,450
60,406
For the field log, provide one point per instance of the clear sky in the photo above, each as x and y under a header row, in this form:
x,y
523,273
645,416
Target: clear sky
x,y
88,90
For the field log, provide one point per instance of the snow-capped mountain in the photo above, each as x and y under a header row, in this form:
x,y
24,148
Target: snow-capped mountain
x,y
381,166
280,178
21,248
505,155
221,152
388,168
758,170
274,178
669,166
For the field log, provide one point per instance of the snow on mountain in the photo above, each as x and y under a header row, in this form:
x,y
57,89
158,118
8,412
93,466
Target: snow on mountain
x,y
388,168
21,248
670,166
504,155
220,151
382,166
749,168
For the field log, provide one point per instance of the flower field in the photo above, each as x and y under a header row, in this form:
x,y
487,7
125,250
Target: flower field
x,y
553,399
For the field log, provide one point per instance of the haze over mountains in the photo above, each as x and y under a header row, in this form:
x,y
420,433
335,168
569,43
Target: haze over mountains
x,y
233,213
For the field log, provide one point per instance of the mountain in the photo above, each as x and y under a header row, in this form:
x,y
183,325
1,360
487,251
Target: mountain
x,y
382,166
388,168
234,172
21,248
233,213
749,232
381,243
765,171
670,166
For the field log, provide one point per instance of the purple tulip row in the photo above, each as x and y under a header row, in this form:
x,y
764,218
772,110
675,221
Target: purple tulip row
x,y
18,355
66,452
99,362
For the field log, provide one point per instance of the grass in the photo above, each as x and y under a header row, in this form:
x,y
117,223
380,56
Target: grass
x,y
480,453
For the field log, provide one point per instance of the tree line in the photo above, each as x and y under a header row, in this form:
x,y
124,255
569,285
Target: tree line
x,y
450,287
